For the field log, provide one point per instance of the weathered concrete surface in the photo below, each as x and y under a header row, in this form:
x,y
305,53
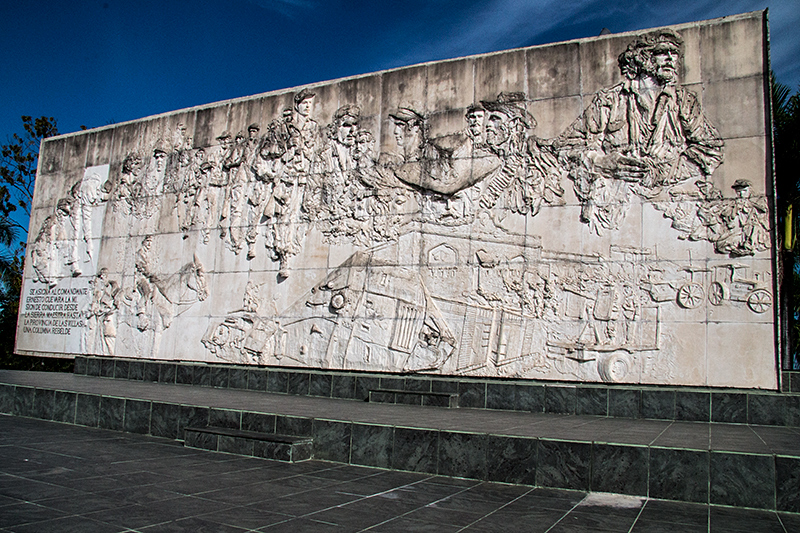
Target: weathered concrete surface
x,y
596,210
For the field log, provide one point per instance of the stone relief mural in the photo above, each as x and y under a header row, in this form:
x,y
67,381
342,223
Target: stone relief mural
x,y
443,266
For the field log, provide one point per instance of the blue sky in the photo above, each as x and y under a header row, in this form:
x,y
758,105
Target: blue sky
x,y
102,61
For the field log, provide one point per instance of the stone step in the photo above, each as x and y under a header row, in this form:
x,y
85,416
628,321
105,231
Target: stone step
x,y
287,448
739,465
689,404
430,399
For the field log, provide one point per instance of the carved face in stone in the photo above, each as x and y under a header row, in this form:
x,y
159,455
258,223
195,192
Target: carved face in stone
x,y
64,207
199,156
497,130
160,159
475,124
363,151
305,106
743,191
406,134
347,130
132,165
665,60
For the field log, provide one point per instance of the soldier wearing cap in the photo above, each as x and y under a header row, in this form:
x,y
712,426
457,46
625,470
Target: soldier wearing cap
x,y
306,130
409,133
252,143
506,124
160,152
342,132
746,221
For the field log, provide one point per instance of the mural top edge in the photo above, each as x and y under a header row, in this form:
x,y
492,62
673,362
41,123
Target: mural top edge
x,y
761,15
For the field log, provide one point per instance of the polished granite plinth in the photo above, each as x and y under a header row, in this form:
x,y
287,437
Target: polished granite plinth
x,y
688,404
741,465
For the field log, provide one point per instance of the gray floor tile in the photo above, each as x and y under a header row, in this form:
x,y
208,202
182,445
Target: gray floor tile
x,y
726,519
25,513
154,484
68,524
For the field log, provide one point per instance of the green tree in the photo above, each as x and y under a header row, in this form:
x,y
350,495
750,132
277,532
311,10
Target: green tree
x,y
19,158
786,137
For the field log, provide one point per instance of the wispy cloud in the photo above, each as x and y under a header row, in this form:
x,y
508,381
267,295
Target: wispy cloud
x,y
502,24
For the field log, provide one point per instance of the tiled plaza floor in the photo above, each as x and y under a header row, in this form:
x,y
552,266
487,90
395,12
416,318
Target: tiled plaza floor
x,y
63,478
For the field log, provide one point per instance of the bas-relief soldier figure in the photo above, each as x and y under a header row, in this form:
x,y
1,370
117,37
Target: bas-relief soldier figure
x,y
217,185
745,222
101,328
179,160
53,244
306,131
147,191
145,278
120,191
267,167
237,193
192,190
342,194
529,174
640,136
736,226
283,160
87,194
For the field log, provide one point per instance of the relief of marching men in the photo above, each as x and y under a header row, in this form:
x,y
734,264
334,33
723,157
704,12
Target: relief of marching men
x,y
263,189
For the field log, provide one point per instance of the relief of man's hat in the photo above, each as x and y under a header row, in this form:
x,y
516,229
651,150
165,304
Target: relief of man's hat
x,y
741,184
511,104
406,115
253,127
349,110
224,135
303,95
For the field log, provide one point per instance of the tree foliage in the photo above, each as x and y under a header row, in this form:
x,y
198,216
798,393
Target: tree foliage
x,y
18,161
786,137
786,124
19,158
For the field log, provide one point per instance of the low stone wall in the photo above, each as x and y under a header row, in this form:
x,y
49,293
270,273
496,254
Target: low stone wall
x,y
658,403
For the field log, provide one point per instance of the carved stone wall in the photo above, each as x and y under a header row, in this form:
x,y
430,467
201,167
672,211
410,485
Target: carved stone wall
x,y
596,210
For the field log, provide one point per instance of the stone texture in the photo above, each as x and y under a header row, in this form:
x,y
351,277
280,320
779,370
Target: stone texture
x,y
415,450
742,480
620,469
468,218
563,464
679,475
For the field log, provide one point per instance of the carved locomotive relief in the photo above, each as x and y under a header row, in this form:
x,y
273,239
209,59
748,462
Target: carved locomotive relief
x,y
440,235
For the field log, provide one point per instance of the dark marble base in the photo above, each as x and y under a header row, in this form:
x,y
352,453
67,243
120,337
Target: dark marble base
x,y
250,443
661,471
597,399
426,398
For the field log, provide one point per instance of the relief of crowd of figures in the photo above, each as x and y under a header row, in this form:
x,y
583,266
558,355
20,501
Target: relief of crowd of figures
x,y
517,310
